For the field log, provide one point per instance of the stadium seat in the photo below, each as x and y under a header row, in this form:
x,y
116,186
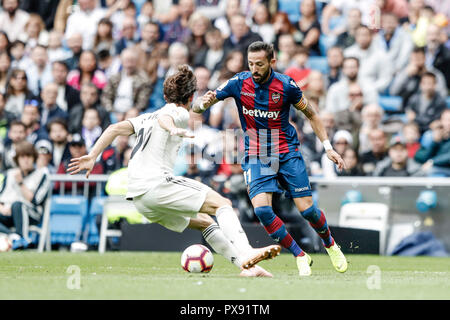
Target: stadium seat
x,y
95,209
391,103
291,7
112,204
366,215
43,229
67,214
318,63
326,42
448,102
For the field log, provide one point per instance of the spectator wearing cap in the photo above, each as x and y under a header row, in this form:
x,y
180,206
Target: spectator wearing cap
x,y
436,156
58,134
16,135
68,96
375,64
89,100
77,148
342,139
127,89
397,164
31,118
44,155
22,195
427,104
13,19
377,152
49,108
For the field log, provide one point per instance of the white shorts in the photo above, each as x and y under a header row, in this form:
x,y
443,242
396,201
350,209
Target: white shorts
x,y
172,202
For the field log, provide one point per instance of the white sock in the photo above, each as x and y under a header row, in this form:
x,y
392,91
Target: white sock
x,y
232,228
217,240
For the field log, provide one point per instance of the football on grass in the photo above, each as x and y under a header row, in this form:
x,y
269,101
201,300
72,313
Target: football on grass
x,y
197,258
5,244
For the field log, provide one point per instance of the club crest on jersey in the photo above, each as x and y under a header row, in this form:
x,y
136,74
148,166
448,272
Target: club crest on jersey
x,y
276,97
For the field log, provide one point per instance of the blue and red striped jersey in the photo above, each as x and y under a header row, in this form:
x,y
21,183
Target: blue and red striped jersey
x,y
264,111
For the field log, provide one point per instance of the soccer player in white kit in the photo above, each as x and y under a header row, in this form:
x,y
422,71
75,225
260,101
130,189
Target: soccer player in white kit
x,y
172,201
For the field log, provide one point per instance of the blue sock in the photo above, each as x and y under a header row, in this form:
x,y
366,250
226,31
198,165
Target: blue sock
x,y
318,221
277,230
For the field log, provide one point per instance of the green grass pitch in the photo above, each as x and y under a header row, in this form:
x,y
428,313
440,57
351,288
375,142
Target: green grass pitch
x,y
152,275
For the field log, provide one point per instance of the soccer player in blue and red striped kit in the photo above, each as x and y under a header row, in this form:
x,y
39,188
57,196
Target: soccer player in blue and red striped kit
x,y
272,157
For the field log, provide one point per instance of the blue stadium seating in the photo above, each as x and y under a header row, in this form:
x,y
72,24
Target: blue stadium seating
x,y
318,63
292,8
448,102
326,42
67,214
95,209
390,103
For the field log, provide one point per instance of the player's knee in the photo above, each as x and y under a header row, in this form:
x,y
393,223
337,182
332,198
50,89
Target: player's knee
x,y
265,214
312,213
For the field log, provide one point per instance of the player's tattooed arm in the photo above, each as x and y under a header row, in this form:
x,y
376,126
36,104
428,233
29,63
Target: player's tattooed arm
x,y
204,102
304,106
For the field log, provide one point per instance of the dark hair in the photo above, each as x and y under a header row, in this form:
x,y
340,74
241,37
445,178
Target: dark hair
x,y
351,58
179,87
417,49
17,123
61,63
430,75
262,46
24,148
59,121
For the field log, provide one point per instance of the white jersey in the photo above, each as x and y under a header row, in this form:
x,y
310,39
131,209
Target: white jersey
x,y
155,150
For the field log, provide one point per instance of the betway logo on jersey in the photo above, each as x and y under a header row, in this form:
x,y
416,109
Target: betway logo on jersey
x,y
260,113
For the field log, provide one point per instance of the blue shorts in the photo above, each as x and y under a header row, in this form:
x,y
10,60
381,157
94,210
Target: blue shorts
x,y
286,171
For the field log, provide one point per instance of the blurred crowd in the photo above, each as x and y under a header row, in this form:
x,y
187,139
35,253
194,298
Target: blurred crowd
x,y
377,71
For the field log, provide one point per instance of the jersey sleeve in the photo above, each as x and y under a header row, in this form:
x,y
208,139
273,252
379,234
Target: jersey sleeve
x,y
229,88
179,115
138,122
296,97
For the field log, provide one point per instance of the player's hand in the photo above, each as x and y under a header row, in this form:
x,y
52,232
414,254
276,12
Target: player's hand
x,y
208,98
181,133
337,159
83,163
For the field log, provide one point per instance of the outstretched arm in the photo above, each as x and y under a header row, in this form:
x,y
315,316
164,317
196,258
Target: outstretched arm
x,y
317,125
204,102
87,162
166,122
